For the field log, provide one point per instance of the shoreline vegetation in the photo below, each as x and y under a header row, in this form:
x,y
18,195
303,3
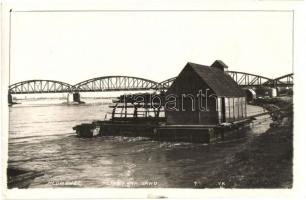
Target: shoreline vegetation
x,y
265,161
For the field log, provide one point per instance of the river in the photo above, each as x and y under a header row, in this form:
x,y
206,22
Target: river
x,y
41,138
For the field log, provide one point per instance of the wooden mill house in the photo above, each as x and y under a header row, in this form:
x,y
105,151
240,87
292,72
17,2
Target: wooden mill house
x,y
223,99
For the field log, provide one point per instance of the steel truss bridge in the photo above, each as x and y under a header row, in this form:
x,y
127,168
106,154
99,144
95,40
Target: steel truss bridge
x,y
126,83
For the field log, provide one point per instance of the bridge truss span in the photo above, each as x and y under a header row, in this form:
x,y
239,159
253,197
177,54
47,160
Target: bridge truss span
x,y
165,84
115,83
285,80
40,86
247,79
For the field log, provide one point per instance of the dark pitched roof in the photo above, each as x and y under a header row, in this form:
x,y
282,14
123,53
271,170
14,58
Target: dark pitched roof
x,y
220,82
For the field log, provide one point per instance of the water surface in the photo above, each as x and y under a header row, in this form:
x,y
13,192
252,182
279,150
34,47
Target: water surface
x,y
41,138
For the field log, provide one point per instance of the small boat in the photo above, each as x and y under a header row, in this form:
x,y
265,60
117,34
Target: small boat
x,y
87,130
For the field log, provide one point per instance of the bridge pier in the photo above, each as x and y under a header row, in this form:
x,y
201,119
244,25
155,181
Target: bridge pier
x,y
274,92
74,98
251,94
10,99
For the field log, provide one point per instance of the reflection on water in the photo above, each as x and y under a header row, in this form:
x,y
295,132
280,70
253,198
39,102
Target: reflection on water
x,y
41,138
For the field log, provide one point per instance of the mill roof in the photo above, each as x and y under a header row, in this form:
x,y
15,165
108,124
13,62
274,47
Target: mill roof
x,y
219,81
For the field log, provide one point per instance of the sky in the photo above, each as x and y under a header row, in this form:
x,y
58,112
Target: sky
x,y
76,46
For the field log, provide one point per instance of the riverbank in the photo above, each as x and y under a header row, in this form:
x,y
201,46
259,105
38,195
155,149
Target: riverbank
x,y
266,160
20,178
